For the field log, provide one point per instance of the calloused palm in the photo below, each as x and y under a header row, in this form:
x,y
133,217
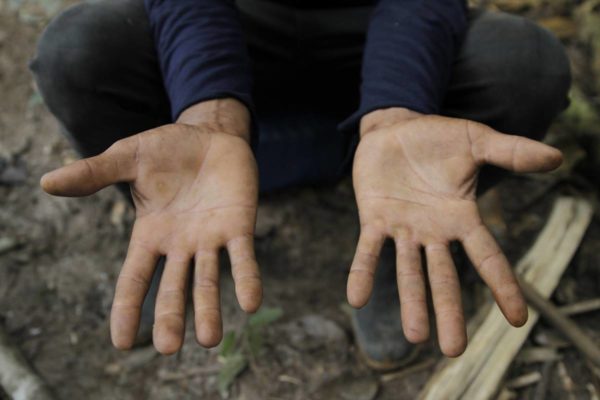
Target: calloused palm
x,y
415,182
195,192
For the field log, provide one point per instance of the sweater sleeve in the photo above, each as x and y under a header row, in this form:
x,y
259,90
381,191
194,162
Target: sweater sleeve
x,y
201,51
410,49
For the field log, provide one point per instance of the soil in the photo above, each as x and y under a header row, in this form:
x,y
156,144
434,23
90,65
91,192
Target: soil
x,y
59,259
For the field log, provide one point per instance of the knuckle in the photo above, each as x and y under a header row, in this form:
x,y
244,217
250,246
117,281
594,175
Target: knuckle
x,y
208,310
409,273
415,300
473,230
162,316
358,271
124,306
244,238
491,261
206,283
366,257
443,280
170,293
248,278
450,312
128,279
508,291
243,263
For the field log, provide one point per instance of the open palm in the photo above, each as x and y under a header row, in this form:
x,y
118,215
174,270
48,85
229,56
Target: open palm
x,y
415,182
195,192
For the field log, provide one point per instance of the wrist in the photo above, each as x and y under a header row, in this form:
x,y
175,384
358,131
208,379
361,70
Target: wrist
x,y
227,115
384,118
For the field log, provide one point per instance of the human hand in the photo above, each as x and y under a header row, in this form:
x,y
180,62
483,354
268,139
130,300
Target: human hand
x,y
195,191
415,182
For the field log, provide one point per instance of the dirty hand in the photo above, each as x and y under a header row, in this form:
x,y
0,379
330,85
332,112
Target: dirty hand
x,y
195,191
415,182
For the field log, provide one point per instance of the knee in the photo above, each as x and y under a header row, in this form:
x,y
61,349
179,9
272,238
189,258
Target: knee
x,y
517,54
79,47
526,67
67,52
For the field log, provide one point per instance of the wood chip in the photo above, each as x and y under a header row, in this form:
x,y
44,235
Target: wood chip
x,y
581,307
549,339
566,380
592,391
7,244
531,355
290,379
541,390
524,380
506,394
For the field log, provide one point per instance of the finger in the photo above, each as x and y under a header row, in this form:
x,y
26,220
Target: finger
x,y
445,291
411,288
87,176
132,286
244,268
362,271
494,269
169,315
514,153
207,312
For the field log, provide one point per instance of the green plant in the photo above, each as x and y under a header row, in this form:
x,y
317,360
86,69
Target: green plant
x,y
238,348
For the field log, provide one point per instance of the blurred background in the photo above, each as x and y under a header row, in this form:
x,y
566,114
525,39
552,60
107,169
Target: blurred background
x,y
59,258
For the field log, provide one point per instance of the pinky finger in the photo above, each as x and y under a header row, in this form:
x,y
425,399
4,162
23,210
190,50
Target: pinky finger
x,y
362,271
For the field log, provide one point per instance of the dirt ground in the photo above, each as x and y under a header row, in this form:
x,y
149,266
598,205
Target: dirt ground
x,y
59,259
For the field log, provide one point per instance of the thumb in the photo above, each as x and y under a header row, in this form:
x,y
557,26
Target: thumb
x,y
515,153
87,176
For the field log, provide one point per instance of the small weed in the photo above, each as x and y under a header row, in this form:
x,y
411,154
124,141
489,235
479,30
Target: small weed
x,y
238,348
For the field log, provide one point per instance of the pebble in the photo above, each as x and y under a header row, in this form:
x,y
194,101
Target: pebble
x,y
7,244
13,175
313,331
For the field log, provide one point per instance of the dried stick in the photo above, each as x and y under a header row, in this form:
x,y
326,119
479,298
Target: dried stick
x,y
542,387
563,324
581,307
17,378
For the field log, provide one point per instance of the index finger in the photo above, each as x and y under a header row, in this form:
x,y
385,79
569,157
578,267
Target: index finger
x,y
494,269
246,276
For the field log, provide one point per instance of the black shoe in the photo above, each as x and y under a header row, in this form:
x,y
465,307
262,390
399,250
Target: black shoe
x,y
377,326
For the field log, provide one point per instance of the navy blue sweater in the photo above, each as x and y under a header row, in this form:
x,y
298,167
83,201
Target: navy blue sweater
x,y
410,48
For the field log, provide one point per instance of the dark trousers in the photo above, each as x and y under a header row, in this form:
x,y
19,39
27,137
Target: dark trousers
x,y
97,70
